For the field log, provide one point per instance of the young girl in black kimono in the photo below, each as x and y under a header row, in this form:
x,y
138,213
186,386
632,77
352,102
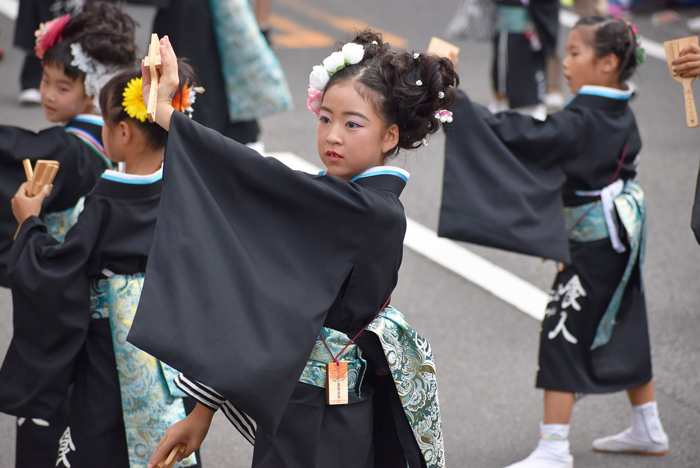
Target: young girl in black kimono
x,y
257,270
73,302
106,37
594,335
80,54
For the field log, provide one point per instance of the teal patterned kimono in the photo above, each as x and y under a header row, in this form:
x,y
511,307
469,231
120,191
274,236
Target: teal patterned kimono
x,y
253,77
58,223
412,366
149,399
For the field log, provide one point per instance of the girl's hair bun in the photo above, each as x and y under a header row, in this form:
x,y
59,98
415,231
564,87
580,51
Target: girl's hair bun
x,y
372,42
407,89
103,31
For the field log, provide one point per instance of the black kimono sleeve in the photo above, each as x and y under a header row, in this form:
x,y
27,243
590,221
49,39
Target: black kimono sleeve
x,y
695,220
503,179
247,258
79,172
51,315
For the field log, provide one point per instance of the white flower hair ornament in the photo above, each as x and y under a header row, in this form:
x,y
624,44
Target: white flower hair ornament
x,y
350,54
96,74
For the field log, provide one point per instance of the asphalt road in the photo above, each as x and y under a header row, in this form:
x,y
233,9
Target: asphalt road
x,y
486,350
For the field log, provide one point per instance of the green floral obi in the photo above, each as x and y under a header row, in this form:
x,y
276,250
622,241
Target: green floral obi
x,y
410,359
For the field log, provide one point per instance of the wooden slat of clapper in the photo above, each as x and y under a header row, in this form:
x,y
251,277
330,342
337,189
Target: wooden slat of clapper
x,y
672,49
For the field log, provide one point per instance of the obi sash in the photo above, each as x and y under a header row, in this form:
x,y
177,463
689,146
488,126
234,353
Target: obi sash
x,y
315,370
59,222
513,19
150,400
412,366
592,222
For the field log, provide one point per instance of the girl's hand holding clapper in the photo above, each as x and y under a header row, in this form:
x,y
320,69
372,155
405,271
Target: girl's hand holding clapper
x,y
167,85
688,64
24,206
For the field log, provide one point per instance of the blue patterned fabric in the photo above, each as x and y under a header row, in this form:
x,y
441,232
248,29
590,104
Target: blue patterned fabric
x,y
513,19
631,210
58,223
253,77
410,359
149,405
315,370
412,367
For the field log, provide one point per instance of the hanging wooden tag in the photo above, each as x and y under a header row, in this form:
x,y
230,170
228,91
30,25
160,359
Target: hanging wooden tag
x,y
337,383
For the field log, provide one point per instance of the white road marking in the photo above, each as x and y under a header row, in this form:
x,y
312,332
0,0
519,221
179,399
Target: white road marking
x,y
456,258
9,8
652,48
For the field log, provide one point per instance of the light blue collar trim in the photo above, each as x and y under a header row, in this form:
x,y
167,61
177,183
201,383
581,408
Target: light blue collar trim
x,y
603,91
380,170
383,170
87,118
122,178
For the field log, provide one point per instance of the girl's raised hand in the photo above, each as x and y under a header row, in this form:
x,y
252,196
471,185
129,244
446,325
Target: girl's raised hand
x,y
167,85
688,63
24,206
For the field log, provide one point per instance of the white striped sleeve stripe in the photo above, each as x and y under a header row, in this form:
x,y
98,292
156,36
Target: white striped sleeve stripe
x,y
200,392
240,421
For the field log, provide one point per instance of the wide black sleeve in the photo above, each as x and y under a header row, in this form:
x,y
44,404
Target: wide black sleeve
x,y
79,172
247,258
80,167
695,220
503,179
51,315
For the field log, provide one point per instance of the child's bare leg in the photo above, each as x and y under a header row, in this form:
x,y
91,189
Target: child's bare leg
x,y
641,395
557,407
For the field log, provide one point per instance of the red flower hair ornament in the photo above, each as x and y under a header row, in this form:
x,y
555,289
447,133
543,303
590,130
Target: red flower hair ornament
x,y
49,34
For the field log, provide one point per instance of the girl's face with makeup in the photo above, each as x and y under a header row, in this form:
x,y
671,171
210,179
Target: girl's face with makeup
x,y
351,136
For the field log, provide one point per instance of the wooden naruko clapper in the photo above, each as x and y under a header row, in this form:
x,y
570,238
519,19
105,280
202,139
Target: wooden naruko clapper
x,y
154,67
42,175
172,457
673,49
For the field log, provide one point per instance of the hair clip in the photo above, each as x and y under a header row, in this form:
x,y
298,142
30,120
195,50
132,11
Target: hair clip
x,y
444,116
416,55
419,83
441,95
424,142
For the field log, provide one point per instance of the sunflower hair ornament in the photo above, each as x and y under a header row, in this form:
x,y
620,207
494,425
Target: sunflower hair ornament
x,y
135,108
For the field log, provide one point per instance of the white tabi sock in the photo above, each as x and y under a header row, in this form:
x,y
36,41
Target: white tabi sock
x,y
645,437
552,450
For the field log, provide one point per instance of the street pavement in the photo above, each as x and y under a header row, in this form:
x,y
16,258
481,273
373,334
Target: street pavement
x,y
486,350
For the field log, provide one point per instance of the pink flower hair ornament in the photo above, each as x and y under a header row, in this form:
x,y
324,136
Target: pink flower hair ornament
x,y
49,34
313,103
